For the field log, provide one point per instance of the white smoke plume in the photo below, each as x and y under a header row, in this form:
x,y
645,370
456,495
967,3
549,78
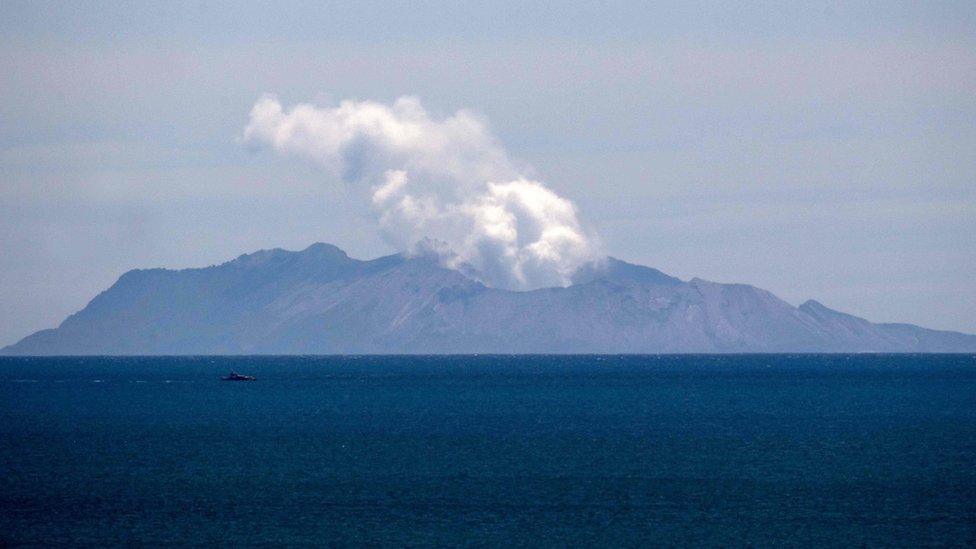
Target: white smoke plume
x,y
444,186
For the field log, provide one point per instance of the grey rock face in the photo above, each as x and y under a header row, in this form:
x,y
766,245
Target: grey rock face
x,y
320,300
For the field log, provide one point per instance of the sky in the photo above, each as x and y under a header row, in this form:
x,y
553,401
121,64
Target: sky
x,y
823,151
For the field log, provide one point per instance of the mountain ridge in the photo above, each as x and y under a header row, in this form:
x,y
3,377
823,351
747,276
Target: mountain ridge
x,y
321,301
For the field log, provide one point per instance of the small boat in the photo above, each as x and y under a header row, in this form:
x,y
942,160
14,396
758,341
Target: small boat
x,y
234,376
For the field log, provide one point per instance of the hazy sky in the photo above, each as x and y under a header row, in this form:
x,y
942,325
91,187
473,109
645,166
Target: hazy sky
x,y
824,152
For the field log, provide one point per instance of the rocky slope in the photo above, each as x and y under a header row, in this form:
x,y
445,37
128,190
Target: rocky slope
x,y
320,300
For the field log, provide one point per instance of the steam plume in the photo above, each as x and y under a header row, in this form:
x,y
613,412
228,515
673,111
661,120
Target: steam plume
x,y
444,186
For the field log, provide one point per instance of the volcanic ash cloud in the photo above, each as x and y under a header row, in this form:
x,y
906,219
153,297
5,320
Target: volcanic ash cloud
x,y
437,186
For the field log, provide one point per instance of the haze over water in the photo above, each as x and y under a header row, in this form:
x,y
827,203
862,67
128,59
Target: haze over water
x,y
612,450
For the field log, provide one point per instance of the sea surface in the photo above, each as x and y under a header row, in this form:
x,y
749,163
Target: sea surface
x,y
793,450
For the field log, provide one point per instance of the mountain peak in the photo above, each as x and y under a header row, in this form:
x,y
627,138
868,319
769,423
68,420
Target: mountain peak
x,y
615,270
323,249
318,252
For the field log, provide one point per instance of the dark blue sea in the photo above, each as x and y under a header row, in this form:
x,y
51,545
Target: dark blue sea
x,y
490,450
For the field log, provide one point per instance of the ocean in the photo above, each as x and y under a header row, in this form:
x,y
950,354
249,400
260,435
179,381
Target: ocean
x,y
791,450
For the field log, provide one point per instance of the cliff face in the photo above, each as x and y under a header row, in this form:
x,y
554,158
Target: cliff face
x,y
320,300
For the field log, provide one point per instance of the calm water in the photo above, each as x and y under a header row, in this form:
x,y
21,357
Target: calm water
x,y
790,450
